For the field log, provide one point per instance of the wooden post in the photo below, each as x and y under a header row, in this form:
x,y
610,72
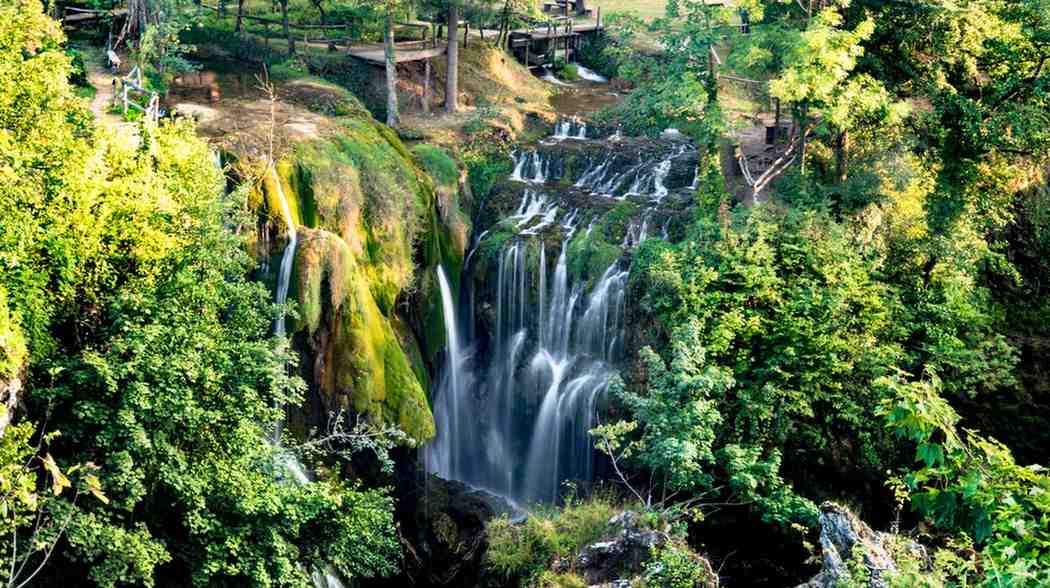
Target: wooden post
x,y
466,33
426,86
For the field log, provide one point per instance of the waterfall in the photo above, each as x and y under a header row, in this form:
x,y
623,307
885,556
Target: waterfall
x,y
520,427
284,275
443,455
327,577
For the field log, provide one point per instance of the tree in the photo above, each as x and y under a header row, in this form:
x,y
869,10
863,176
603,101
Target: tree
x,y
452,70
147,346
969,484
390,59
287,29
816,70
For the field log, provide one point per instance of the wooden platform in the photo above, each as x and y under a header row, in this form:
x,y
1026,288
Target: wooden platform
x,y
544,34
75,17
404,52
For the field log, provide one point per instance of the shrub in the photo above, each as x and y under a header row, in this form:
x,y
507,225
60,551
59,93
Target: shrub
x,y
676,566
523,551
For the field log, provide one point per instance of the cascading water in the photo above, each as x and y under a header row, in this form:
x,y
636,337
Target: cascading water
x,y
525,368
284,275
519,427
322,578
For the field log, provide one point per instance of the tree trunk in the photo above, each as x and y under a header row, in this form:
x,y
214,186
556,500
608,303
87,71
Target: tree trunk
x,y
324,18
287,29
452,69
802,124
504,25
391,70
842,156
776,122
426,86
239,26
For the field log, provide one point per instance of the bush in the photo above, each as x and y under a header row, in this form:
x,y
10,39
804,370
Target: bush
x,y
676,566
523,551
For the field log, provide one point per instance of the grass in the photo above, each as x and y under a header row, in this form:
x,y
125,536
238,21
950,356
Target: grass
x,y
521,552
647,9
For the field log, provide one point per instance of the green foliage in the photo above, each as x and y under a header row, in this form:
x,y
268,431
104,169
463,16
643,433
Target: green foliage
x,y
521,552
677,87
675,566
152,353
12,342
598,56
970,484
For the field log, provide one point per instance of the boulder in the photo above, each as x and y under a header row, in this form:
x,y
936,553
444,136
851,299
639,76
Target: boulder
x,y
844,537
443,532
621,555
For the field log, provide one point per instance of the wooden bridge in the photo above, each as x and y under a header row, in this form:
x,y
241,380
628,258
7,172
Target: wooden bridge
x,y
539,45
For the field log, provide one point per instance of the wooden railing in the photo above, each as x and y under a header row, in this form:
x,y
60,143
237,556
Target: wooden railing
x,y
130,86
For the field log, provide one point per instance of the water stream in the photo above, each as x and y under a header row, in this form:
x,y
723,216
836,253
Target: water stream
x,y
326,577
521,382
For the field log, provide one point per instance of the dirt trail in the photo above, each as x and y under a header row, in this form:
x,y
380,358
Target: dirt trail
x,y
102,80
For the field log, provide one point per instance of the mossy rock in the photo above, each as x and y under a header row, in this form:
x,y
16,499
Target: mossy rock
x,y
373,227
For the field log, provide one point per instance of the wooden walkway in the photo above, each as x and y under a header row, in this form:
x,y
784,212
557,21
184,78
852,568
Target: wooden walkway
x,y
545,34
403,52
76,16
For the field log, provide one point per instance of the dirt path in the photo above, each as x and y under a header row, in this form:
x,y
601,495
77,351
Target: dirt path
x,y
102,80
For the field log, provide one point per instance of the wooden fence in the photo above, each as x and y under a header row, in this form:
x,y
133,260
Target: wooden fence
x,y
131,86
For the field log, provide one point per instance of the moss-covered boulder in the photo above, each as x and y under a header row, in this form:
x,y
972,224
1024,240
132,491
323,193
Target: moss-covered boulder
x,y
374,221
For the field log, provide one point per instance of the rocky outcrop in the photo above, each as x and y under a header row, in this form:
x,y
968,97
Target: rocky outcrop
x,y
9,398
620,559
849,545
621,555
374,220
444,532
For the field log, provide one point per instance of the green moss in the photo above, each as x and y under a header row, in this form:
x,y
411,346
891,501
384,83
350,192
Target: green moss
x,y
12,344
323,265
369,361
366,213
438,164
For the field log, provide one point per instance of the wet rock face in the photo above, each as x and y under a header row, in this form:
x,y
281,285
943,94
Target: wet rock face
x,y
445,537
844,538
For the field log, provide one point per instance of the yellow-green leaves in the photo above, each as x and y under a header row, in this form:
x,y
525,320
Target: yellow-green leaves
x,y
59,481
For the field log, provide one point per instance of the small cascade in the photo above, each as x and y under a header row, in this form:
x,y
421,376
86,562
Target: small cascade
x,y
590,75
570,128
284,275
519,166
562,129
659,176
450,412
548,76
532,167
327,577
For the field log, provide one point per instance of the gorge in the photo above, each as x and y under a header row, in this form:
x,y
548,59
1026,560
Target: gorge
x,y
506,293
